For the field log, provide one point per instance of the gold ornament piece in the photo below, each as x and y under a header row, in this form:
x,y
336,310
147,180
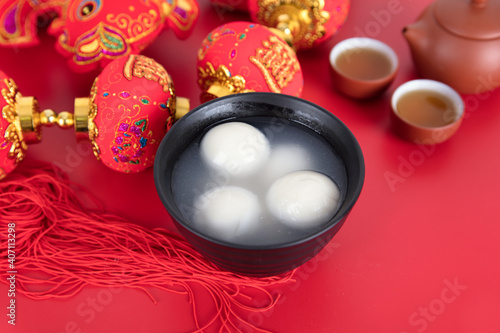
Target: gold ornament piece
x,y
25,121
13,133
174,103
181,108
302,20
29,119
143,67
220,82
65,120
48,118
92,114
277,62
83,119
62,119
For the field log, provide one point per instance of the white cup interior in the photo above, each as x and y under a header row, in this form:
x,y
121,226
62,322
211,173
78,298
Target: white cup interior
x,y
438,87
360,43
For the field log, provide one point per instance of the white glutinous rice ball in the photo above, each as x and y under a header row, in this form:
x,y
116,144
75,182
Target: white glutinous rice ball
x,y
303,199
236,148
285,158
227,211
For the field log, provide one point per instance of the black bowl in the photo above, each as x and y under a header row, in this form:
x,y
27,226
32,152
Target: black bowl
x,y
259,260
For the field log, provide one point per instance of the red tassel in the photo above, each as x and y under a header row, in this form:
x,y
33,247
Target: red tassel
x,y
74,246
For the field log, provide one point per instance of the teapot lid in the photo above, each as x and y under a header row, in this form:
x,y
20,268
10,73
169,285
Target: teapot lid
x,y
475,19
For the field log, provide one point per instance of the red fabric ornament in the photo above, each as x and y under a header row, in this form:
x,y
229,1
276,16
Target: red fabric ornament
x,y
63,246
18,20
91,33
132,105
244,57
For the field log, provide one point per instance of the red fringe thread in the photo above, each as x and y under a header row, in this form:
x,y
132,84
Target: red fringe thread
x,y
75,246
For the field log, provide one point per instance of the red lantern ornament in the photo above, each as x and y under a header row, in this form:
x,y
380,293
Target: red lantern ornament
x,y
18,20
305,23
93,32
132,104
244,57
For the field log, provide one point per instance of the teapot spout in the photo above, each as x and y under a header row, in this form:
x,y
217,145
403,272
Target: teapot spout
x,y
414,34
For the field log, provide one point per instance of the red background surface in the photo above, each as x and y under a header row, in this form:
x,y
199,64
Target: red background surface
x,y
390,267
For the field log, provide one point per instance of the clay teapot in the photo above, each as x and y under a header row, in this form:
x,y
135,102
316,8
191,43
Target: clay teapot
x,y
458,42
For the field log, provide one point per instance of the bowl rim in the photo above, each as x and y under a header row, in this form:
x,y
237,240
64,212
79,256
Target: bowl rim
x,y
264,97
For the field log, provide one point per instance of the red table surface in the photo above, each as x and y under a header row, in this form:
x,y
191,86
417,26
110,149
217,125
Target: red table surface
x,y
420,255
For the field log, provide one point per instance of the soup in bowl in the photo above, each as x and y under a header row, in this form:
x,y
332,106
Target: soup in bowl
x,y
259,183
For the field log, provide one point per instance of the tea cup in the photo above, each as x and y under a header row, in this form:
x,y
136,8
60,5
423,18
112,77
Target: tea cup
x,y
426,111
362,67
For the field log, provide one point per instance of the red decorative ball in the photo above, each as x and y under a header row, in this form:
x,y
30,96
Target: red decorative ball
x,y
308,22
132,106
244,57
12,145
93,32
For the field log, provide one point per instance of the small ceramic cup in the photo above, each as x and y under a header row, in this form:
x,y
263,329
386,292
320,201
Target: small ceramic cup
x,y
432,125
362,67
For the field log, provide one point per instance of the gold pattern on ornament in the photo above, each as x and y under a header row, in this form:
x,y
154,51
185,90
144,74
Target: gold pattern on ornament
x,y
222,76
277,62
13,132
310,26
166,8
137,28
93,130
171,103
2,173
143,67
